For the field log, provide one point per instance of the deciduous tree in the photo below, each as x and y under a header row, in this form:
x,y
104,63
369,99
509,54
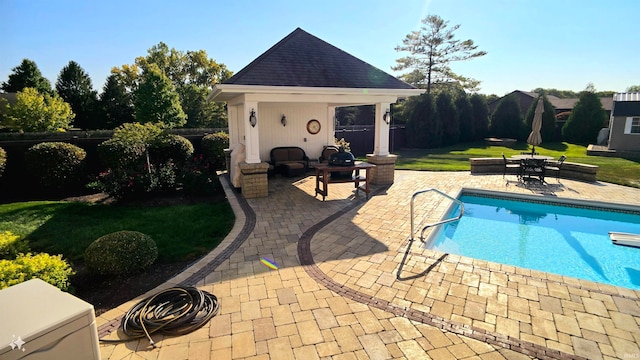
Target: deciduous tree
x,y
431,51
34,111
26,75
157,101
185,70
633,88
74,86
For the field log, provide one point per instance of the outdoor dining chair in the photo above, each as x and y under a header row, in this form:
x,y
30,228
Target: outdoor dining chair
x,y
513,167
555,166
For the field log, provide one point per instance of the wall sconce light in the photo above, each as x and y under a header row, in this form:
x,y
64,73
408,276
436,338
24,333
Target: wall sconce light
x,y
387,116
252,118
283,120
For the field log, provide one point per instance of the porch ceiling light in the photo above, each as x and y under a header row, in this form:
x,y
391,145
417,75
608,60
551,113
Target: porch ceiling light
x,y
252,118
283,120
387,116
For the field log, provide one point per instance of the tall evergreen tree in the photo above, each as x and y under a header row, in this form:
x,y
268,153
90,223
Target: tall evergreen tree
x,y
26,75
506,121
431,50
75,87
448,116
156,100
465,117
586,120
480,116
424,128
115,104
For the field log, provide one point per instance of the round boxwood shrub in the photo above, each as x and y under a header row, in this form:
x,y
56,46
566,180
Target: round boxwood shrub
x,y
120,253
56,165
3,160
49,268
213,146
170,147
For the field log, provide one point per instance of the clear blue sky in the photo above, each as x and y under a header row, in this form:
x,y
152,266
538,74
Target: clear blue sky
x,y
563,44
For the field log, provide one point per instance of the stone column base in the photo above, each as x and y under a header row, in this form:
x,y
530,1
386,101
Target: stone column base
x,y
253,179
383,173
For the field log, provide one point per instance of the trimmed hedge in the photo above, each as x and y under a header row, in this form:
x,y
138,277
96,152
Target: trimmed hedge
x,y
49,268
213,146
170,147
120,253
56,165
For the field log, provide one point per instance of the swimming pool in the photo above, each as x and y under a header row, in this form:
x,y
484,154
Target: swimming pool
x,y
566,240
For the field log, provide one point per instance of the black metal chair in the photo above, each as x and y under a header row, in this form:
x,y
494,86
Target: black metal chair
x,y
555,166
513,167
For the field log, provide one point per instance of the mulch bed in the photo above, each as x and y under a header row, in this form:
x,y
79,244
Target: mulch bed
x,y
106,293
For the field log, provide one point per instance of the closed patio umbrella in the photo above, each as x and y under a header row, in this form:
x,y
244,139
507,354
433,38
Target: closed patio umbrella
x,y
535,138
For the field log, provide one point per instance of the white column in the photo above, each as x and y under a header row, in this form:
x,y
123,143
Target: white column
x,y
234,132
381,139
331,122
251,133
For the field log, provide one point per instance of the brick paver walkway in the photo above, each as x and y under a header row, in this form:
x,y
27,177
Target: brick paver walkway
x,y
337,294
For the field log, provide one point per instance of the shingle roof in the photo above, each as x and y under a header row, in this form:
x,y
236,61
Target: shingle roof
x,y
301,59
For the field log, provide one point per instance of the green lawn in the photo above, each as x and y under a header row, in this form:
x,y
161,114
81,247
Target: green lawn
x,y
181,232
456,158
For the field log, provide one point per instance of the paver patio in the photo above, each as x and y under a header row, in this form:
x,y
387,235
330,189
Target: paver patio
x,y
336,294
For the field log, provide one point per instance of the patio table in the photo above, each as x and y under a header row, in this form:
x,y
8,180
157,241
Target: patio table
x,y
323,178
538,157
532,169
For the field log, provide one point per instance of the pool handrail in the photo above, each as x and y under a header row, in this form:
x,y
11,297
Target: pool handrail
x,y
438,222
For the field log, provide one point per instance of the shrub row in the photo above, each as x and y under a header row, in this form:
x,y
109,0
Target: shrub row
x,y
140,160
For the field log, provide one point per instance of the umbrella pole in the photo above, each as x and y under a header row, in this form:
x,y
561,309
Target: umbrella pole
x,y
533,150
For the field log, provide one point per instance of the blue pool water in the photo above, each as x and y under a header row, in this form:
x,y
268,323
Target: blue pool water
x,y
569,241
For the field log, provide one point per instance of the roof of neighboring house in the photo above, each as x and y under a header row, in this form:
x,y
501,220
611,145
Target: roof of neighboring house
x,y
626,104
301,59
11,97
559,104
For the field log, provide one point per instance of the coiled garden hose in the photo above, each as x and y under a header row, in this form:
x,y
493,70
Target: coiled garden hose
x,y
174,311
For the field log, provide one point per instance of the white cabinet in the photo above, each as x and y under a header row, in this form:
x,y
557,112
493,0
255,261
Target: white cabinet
x,y
38,321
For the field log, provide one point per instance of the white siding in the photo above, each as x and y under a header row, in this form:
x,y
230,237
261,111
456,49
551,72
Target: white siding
x,y
273,134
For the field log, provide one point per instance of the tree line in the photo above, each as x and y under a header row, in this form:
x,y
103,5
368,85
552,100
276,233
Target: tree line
x,y
170,87
166,86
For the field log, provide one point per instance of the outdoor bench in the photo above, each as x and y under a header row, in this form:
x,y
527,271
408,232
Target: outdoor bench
x,y
289,160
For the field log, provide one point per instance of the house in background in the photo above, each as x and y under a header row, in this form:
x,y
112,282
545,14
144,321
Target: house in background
x,y
624,122
563,106
288,97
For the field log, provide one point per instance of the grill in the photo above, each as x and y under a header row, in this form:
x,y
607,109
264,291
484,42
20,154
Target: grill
x,y
341,158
